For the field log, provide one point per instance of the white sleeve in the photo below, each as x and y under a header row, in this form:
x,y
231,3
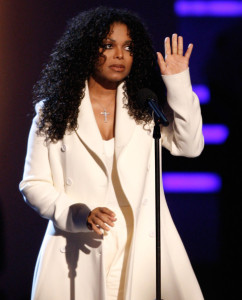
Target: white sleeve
x,y
184,135
38,188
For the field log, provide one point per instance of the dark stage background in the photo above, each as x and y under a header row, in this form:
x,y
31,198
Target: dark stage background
x,y
209,224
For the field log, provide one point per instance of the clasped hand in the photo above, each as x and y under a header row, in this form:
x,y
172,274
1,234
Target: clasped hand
x,y
174,61
101,218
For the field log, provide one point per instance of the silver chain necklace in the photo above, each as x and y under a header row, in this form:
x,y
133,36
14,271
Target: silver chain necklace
x,y
105,113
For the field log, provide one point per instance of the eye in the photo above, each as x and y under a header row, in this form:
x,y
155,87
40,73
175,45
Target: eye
x,y
107,46
128,48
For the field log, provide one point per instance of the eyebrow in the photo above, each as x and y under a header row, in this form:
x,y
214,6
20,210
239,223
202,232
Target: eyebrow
x,y
128,41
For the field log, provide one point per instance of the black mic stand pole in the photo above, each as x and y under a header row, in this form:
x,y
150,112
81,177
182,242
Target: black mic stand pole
x,y
157,136
159,118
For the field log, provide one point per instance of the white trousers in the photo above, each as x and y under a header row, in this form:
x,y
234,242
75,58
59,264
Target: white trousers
x,y
116,244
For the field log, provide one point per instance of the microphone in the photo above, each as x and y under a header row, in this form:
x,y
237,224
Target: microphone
x,y
149,98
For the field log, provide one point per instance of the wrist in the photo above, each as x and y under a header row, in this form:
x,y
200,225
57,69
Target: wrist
x,y
89,225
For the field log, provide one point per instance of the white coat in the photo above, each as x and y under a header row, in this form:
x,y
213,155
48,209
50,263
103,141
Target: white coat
x,y
57,176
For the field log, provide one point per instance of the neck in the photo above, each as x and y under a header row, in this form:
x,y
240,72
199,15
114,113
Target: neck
x,y
102,90
103,100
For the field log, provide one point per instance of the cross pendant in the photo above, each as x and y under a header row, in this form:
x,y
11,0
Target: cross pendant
x,y
105,113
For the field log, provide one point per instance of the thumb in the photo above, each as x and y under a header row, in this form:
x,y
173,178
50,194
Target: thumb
x,y
161,63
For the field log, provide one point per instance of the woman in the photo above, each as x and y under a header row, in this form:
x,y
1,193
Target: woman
x,y
90,162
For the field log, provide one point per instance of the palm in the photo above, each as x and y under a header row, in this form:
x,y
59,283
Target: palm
x,y
174,62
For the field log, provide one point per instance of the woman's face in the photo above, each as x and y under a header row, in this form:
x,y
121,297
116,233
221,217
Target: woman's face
x,y
116,60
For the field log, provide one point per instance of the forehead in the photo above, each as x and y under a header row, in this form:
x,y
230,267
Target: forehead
x,y
119,31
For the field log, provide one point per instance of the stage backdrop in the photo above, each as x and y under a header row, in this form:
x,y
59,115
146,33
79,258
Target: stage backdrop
x,y
208,220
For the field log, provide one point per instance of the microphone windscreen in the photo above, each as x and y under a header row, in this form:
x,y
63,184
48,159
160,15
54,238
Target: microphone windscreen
x,y
144,95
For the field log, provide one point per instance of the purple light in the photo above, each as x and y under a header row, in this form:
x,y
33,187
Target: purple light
x,y
191,182
208,8
215,133
202,92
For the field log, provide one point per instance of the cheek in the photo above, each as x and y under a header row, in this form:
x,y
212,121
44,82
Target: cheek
x,y
130,62
101,61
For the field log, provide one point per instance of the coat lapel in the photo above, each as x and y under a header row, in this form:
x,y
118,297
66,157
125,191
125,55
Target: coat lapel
x,y
88,130
124,124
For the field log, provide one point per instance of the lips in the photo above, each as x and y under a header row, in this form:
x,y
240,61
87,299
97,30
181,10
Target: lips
x,y
117,67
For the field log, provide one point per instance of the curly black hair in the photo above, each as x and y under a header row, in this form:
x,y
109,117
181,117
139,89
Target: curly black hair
x,y
73,60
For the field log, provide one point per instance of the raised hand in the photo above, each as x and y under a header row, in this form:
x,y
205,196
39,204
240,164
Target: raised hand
x,y
174,62
99,218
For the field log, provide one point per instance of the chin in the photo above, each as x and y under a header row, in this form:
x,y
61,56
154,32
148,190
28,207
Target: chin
x,y
110,78
117,78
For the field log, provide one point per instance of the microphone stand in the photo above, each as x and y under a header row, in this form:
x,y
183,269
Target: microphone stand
x,y
159,118
157,136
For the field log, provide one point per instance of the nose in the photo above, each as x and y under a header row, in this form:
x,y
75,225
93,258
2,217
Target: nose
x,y
118,53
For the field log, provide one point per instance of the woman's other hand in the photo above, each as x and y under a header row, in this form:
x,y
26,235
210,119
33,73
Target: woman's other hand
x,y
174,62
99,218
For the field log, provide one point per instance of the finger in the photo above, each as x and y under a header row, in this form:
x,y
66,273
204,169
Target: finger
x,y
98,222
96,229
102,218
180,46
174,43
107,211
92,226
189,51
167,46
161,62
106,219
